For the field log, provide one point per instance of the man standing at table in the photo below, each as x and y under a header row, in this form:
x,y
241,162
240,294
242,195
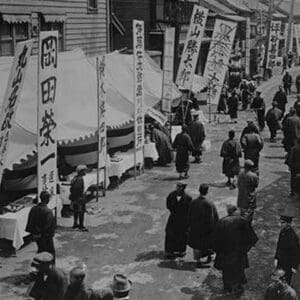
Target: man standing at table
x,y
41,224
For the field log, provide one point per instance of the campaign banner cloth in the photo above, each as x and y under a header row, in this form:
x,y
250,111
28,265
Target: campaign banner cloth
x,y
218,57
139,93
101,95
156,115
189,57
12,96
168,67
47,116
297,37
273,45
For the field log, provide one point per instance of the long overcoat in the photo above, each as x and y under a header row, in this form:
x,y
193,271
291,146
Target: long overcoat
x,y
197,134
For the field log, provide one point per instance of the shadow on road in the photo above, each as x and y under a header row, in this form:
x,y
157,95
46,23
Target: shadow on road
x,y
174,265
149,255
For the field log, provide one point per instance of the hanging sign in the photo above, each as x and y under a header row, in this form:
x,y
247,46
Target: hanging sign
x,y
273,45
12,96
47,117
297,37
189,57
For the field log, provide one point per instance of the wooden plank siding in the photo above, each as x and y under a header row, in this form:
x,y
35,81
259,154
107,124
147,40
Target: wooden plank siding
x,y
82,29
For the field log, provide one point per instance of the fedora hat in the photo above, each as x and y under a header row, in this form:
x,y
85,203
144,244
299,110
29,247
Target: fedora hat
x,y
44,258
81,168
120,285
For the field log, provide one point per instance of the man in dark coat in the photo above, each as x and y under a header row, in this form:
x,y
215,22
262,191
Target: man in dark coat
x,y
233,104
197,134
280,98
245,94
273,117
231,152
41,224
293,162
50,282
251,127
287,256
183,145
202,218
233,239
287,82
258,105
252,143
178,203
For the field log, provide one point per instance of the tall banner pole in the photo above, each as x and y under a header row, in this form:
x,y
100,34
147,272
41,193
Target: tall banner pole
x,y
12,97
98,126
138,61
47,115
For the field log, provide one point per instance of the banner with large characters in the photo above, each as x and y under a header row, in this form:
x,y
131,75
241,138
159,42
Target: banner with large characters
x,y
273,45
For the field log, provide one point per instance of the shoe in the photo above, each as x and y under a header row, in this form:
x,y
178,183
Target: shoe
x,y
75,226
82,228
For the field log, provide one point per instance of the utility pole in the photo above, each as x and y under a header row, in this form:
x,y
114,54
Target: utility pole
x,y
290,28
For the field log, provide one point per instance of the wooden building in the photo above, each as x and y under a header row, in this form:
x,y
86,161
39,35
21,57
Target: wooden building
x,y
81,23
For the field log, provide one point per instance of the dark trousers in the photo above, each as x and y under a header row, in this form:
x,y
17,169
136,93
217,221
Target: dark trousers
x,y
79,216
293,181
298,88
287,89
261,118
273,132
46,244
233,278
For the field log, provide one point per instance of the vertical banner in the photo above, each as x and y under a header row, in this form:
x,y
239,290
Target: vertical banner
x,y
273,43
47,119
12,96
138,57
218,57
167,87
297,37
247,47
189,57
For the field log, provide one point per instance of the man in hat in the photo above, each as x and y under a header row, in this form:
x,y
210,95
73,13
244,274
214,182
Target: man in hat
x,y
287,82
41,224
231,152
258,105
183,114
233,104
273,117
247,184
183,145
279,289
293,162
178,203
121,287
233,239
197,134
77,196
280,98
50,282
287,256
250,127
202,218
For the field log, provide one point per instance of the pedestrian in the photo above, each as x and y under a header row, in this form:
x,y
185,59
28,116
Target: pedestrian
x,y
252,144
290,59
279,289
197,134
178,203
287,82
284,64
293,162
222,105
273,117
245,94
258,105
41,224
287,256
183,145
183,114
297,82
247,184
202,218
50,282
233,239
233,104
78,198
231,152
250,127
281,99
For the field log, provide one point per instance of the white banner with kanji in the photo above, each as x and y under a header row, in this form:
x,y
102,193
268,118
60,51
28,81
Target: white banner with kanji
x,y
189,57
297,37
218,57
168,66
273,45
138,57
47,117
101,94
12,96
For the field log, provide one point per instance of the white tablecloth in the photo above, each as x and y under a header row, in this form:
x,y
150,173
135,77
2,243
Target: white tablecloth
x,y
150,151
12,225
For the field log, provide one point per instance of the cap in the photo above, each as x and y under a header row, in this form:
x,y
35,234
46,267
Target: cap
x,y
258,92
248,163
121,284
42,258
181,183
81,168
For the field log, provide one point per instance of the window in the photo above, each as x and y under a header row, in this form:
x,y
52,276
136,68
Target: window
x,y
92,5
59,26
10,34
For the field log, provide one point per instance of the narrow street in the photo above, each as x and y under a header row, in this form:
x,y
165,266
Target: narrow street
x,y
126,228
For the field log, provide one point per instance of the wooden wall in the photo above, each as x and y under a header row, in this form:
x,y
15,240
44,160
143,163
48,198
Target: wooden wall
x,y
81,28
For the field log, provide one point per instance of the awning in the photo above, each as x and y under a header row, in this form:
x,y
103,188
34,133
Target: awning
x,y
16,18
216,7
117,24
55,18
233,18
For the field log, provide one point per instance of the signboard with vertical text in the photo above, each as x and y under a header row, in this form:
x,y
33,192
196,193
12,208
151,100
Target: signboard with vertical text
x,y
273,45
297,37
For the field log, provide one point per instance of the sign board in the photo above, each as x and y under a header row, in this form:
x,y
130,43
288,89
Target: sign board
x,y
168,70
189,57
138,57
156,115
12,96
273,45
47,117
297,37
218,57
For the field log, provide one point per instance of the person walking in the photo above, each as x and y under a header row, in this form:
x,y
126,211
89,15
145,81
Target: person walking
x,y
297,82
247,184
250,127
202,219
281,99
222,105
293,162
197,134
77,197
178,203
183,145
233,104
233,239
273,117
258,105
41,224
231,152
287,82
